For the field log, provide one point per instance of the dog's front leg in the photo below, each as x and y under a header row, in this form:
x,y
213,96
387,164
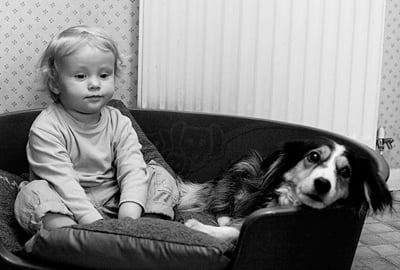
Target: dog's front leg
x,y
223,232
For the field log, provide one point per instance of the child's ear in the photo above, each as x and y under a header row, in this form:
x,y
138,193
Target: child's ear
x,y
54,87
55,90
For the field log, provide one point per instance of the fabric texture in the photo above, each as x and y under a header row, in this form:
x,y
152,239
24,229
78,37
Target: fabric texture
x,y
163,193
37,198
34,200
11,235
136,244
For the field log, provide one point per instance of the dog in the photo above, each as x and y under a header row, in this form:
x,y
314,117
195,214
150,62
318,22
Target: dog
x,y
317,173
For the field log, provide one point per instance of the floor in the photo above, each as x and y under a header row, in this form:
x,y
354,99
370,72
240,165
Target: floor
x,y
379,245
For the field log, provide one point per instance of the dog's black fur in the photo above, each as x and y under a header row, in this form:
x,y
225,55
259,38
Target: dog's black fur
x,y
253,183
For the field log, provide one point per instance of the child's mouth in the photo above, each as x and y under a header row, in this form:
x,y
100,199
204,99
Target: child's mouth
x,y
94,97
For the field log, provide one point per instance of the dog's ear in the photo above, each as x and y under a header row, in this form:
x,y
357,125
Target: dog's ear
x,y
284,158
372,191
377,194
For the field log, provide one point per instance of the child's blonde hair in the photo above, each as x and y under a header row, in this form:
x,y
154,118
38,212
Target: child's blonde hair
x,y
66,43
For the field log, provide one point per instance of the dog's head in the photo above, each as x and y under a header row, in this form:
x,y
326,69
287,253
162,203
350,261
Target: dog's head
x,y
322,172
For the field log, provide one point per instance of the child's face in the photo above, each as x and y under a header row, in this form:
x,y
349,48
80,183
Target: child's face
x,y
86,82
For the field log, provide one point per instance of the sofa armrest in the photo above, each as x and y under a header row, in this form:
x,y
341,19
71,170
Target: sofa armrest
x,y
299,237
9,260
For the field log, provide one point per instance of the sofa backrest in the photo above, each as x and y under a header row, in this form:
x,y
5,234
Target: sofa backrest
x,y
14,130
198,146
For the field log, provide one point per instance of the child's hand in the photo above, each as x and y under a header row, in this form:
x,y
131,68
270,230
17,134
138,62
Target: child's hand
x,y
130,209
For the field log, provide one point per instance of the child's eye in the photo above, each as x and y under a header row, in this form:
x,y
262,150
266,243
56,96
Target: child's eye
x,y
105,75
80,76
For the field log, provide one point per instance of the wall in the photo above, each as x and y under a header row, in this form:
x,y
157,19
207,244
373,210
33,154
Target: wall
x,y
27,26
389,110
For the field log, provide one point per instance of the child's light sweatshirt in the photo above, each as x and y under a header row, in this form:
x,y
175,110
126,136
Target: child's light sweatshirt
x,y
74,157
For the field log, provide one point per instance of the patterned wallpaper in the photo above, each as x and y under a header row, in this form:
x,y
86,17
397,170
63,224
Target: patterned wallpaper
x,y
26,26
389,109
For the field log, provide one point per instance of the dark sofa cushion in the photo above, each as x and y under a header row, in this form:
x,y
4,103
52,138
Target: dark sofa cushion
x,y
145,243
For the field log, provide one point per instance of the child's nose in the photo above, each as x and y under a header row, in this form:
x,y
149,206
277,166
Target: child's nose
x,y
94,83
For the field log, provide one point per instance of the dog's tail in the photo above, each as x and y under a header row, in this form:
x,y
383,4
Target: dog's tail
x,y
192,196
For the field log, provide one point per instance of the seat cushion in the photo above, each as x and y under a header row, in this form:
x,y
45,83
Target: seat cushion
x,y
11,234
145,243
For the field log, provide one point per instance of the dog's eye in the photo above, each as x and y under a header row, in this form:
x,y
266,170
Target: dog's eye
x,y
314,157
345,172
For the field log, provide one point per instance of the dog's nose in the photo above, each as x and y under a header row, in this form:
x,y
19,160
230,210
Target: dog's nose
x,y
322,185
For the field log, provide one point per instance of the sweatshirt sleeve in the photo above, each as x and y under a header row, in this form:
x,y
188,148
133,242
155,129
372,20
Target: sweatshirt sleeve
x,y
131,167
49,160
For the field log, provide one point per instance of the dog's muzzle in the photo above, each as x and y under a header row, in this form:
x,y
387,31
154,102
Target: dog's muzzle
x,y
322,186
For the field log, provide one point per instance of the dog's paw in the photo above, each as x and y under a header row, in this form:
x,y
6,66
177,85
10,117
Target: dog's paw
x,y
224,221
198,226
192,223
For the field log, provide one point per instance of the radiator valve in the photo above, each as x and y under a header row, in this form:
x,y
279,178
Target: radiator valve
x,y
381,141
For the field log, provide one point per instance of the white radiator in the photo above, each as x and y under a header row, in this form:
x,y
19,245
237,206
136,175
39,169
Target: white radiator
x,y
314,62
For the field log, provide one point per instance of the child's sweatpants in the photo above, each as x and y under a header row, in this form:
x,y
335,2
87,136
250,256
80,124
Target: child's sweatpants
x,y
37,198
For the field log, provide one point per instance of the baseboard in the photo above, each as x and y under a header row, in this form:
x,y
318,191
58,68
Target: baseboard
x,y
394,179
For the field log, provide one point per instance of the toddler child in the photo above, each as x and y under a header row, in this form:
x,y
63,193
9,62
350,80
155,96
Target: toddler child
x,y
84,156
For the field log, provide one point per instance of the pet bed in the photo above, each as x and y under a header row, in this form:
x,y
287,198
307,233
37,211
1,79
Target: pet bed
x,y
197,147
